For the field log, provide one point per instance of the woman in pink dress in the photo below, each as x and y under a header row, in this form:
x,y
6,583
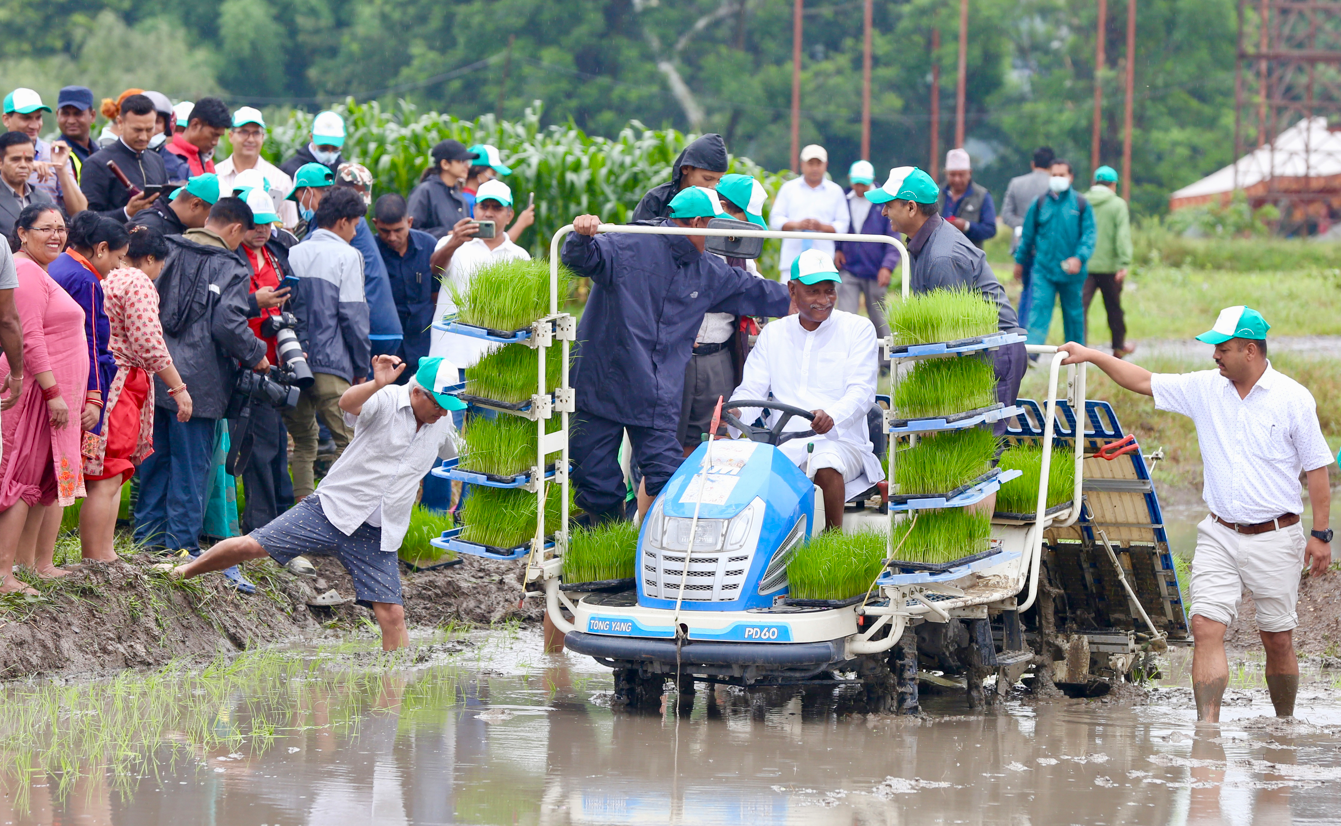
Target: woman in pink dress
x,y
127,436
41,465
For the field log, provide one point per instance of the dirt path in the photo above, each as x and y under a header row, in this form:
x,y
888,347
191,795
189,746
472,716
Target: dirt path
x,y
1193,350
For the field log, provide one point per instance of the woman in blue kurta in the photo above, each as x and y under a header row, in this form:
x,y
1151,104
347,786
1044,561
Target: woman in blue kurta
x,y
97,246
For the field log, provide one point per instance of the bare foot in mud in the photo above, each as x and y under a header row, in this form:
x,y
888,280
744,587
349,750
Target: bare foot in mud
x,y
51,572
14,585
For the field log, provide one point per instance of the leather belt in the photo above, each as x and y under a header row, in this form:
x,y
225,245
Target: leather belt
x,y
709,349
1261,527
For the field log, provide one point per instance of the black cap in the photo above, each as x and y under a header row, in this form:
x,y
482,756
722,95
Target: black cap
x,y
451,150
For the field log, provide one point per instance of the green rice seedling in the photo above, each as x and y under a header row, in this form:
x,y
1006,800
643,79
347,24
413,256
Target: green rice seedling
x,y
941,315
508,295
505,517
504,445
943,462
1021,495
835,565
604,552
944,387
425,525
937,536
508,374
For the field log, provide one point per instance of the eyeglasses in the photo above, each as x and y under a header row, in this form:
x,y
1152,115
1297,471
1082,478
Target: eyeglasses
x,y
61,230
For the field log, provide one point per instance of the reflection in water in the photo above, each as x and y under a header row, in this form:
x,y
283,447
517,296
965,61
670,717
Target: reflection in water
x,y
485,736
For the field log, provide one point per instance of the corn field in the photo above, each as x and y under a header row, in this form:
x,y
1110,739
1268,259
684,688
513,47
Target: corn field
x,y
570,173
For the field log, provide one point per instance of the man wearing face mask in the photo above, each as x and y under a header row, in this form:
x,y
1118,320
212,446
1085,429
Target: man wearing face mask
x,y
328,135
1058,238
310,184
648,297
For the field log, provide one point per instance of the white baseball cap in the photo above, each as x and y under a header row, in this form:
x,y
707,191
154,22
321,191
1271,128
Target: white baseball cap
x,y
24,101
957,160
494,190
181,113
251,179
262,206
861,172
814,152
328,130
246,115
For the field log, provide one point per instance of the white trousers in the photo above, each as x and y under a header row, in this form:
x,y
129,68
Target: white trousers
x,y
1268,564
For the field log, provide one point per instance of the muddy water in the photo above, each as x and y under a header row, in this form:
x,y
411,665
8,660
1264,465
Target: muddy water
x,y
486,730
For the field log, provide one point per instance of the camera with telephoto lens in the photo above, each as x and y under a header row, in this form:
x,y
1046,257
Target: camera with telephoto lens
x,y
281,328
275,388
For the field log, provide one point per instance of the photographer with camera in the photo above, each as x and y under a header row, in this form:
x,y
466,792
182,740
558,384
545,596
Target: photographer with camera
x,y
203,309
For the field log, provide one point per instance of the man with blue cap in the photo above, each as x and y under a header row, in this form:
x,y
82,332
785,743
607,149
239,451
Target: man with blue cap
x,y
648,297
1257,430
361,512
867,268
74,116
823,360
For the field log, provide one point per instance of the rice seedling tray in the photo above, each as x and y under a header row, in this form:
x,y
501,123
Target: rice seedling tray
x,y
972,496
901,498
442,562
1006,516
602,586
450,541
958,421
459,390
451,325
449,470
911,567
823,603
967,565
963,345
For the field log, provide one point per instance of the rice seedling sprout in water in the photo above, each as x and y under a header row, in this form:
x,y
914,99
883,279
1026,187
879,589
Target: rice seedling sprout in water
x,y
604,552
945,461
835,565
503,445
508,374
508,295
1021,495
939,387
425,524
941,315
938,536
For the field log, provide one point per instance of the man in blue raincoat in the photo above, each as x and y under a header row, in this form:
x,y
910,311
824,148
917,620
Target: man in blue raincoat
x,y
1058,237
648,297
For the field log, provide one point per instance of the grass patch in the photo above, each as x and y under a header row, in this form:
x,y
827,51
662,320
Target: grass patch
x,y
941,315
942,535
1021,495
943,387
835,565
425,525
504,445
604,552
943,462
505,517
508,295
508,374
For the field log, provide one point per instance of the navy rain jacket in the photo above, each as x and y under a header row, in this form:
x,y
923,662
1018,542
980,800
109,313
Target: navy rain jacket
x,y
636,336
707,152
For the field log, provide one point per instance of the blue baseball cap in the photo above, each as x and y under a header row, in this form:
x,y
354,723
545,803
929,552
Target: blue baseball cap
x,y
80,97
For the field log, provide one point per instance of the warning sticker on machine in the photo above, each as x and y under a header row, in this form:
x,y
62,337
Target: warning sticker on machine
x,y
716,489
728,459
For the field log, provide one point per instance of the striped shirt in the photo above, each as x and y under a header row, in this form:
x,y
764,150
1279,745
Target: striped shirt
x,y
1252,449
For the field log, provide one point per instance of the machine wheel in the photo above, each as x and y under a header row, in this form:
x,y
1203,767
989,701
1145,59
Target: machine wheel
x,y
903,664
635,689
879,688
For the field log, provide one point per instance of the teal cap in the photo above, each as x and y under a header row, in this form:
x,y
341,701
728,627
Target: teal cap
x,y
435,373
696,202
906,183
1105,175
486,155
813,266
205,187
746,194
24,101
311,174
1236,322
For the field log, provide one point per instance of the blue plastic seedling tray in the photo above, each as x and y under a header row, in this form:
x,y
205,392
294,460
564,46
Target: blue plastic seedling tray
x,y
957,572
451,325
450,470
957,421
963,499
459,390
951,348
451,541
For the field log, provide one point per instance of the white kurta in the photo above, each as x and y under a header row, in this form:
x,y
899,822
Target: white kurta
x,y
833,369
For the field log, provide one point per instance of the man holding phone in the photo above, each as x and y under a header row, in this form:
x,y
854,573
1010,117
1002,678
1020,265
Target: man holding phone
x,y
186,207
106,193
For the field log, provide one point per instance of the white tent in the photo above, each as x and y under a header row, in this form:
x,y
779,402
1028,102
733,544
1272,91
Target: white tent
x,y
1305,157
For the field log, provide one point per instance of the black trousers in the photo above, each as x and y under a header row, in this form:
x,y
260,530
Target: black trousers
x,y
593,447
1107,283
265,479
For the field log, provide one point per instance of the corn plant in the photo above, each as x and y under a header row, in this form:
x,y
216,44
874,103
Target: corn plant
x,y
941,315
1021,495
835,565
601,553
945,461
945,386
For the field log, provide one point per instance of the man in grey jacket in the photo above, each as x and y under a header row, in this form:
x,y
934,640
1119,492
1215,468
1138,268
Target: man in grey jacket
x,y
1020,195
941,256
333,313
203,308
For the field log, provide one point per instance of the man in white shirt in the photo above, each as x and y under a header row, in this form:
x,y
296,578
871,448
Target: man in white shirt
x,y
460,254
810,203
247,136
1257,429
825,361
361,512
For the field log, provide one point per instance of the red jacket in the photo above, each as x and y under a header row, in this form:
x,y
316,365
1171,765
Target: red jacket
x,y
189,153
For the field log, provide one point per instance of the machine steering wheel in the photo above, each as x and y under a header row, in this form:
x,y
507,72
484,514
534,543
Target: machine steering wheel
x,y
772,436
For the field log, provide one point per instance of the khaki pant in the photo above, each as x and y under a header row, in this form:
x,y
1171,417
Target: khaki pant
x,y
321,399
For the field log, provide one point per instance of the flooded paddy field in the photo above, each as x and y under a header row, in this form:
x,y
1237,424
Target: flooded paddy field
x,y
482,728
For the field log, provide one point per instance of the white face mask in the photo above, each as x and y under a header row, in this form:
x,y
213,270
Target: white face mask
x,y
326,158
158,140
1059,183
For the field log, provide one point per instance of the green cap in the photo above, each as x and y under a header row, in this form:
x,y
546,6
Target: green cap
x,y
1236,322
311,174
435,373
747,195
906,183
205,187
696,202
1105,175
487,155
813,266
24,101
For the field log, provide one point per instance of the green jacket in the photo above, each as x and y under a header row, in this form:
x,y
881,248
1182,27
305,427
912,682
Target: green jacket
x,y
1112,247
